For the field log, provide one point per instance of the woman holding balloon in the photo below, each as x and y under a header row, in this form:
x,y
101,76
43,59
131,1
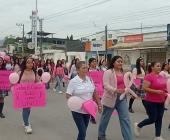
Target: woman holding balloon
x,y
27,75
114,87
81,87
156,93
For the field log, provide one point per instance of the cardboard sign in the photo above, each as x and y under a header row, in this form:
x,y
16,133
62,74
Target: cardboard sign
x,y
29,95
97,77
4,80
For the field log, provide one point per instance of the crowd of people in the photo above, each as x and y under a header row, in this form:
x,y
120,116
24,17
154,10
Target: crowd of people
x,y
151,88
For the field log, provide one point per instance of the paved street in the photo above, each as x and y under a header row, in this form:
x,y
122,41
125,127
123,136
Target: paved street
x,y
54,122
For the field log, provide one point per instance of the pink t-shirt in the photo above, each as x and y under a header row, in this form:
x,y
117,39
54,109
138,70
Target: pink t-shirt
x,y
157,82
59,71
120,81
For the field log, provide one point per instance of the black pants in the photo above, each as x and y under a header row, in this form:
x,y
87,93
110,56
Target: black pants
x,y
155,113
82,121
131,102
1,107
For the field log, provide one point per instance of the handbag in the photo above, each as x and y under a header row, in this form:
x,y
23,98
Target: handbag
x,y
139,91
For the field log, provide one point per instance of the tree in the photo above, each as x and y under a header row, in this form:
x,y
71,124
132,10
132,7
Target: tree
x,y
9,40
71,37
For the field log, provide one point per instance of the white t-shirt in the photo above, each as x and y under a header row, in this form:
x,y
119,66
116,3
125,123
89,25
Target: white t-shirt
x,y
142,75
81,88
165,74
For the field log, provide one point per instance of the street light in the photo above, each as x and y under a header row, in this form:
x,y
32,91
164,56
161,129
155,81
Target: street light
x,y
23,41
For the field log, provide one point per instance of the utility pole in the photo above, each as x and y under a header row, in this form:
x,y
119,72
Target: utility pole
x,y
23,36
41,35
141,28
106,42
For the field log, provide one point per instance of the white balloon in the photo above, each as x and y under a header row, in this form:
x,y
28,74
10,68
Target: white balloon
x,y
75,103
14,78
46,77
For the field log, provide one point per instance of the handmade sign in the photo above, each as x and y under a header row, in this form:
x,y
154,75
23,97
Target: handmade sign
x,y
29,95
4,80
97,77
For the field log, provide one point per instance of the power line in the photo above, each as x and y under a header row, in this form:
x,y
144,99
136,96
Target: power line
x,y
143,15
67,10
73,10
127,29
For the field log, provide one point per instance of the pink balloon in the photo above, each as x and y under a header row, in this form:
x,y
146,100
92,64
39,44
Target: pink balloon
x,y
14,78
75,103
90,107
7,58
46,77
2,54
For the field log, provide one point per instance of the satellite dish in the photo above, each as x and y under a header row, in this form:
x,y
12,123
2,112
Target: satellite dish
x,y
31,45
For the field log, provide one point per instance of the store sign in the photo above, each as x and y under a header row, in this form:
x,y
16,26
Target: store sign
x,y
98,45
133,38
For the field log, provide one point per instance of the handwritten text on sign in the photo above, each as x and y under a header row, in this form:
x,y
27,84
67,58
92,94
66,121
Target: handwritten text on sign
x,y
4,80
97,77
29,95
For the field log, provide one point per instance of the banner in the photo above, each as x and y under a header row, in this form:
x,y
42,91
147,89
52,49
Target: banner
x,y
97,77
4,80
27,95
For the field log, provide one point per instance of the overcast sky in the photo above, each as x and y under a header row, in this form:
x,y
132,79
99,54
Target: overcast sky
x,y
82,17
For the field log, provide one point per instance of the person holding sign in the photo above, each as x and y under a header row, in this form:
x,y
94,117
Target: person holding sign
x,y
93,68
82,86
27,75
2,92
114,87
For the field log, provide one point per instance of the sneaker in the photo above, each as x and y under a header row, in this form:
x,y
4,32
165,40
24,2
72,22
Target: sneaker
x,y
54,89
28,129
25,125
2,115
60,92
159,138
136,130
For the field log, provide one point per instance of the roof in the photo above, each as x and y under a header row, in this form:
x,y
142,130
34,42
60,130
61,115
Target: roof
x,y
39,33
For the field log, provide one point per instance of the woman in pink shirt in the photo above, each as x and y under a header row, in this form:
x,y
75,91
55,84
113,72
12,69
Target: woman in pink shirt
x,y
59,75
155,87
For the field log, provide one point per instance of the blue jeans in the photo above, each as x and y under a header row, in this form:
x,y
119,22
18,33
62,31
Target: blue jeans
x,y
82,121
59,83
125,123
155,113
25,115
